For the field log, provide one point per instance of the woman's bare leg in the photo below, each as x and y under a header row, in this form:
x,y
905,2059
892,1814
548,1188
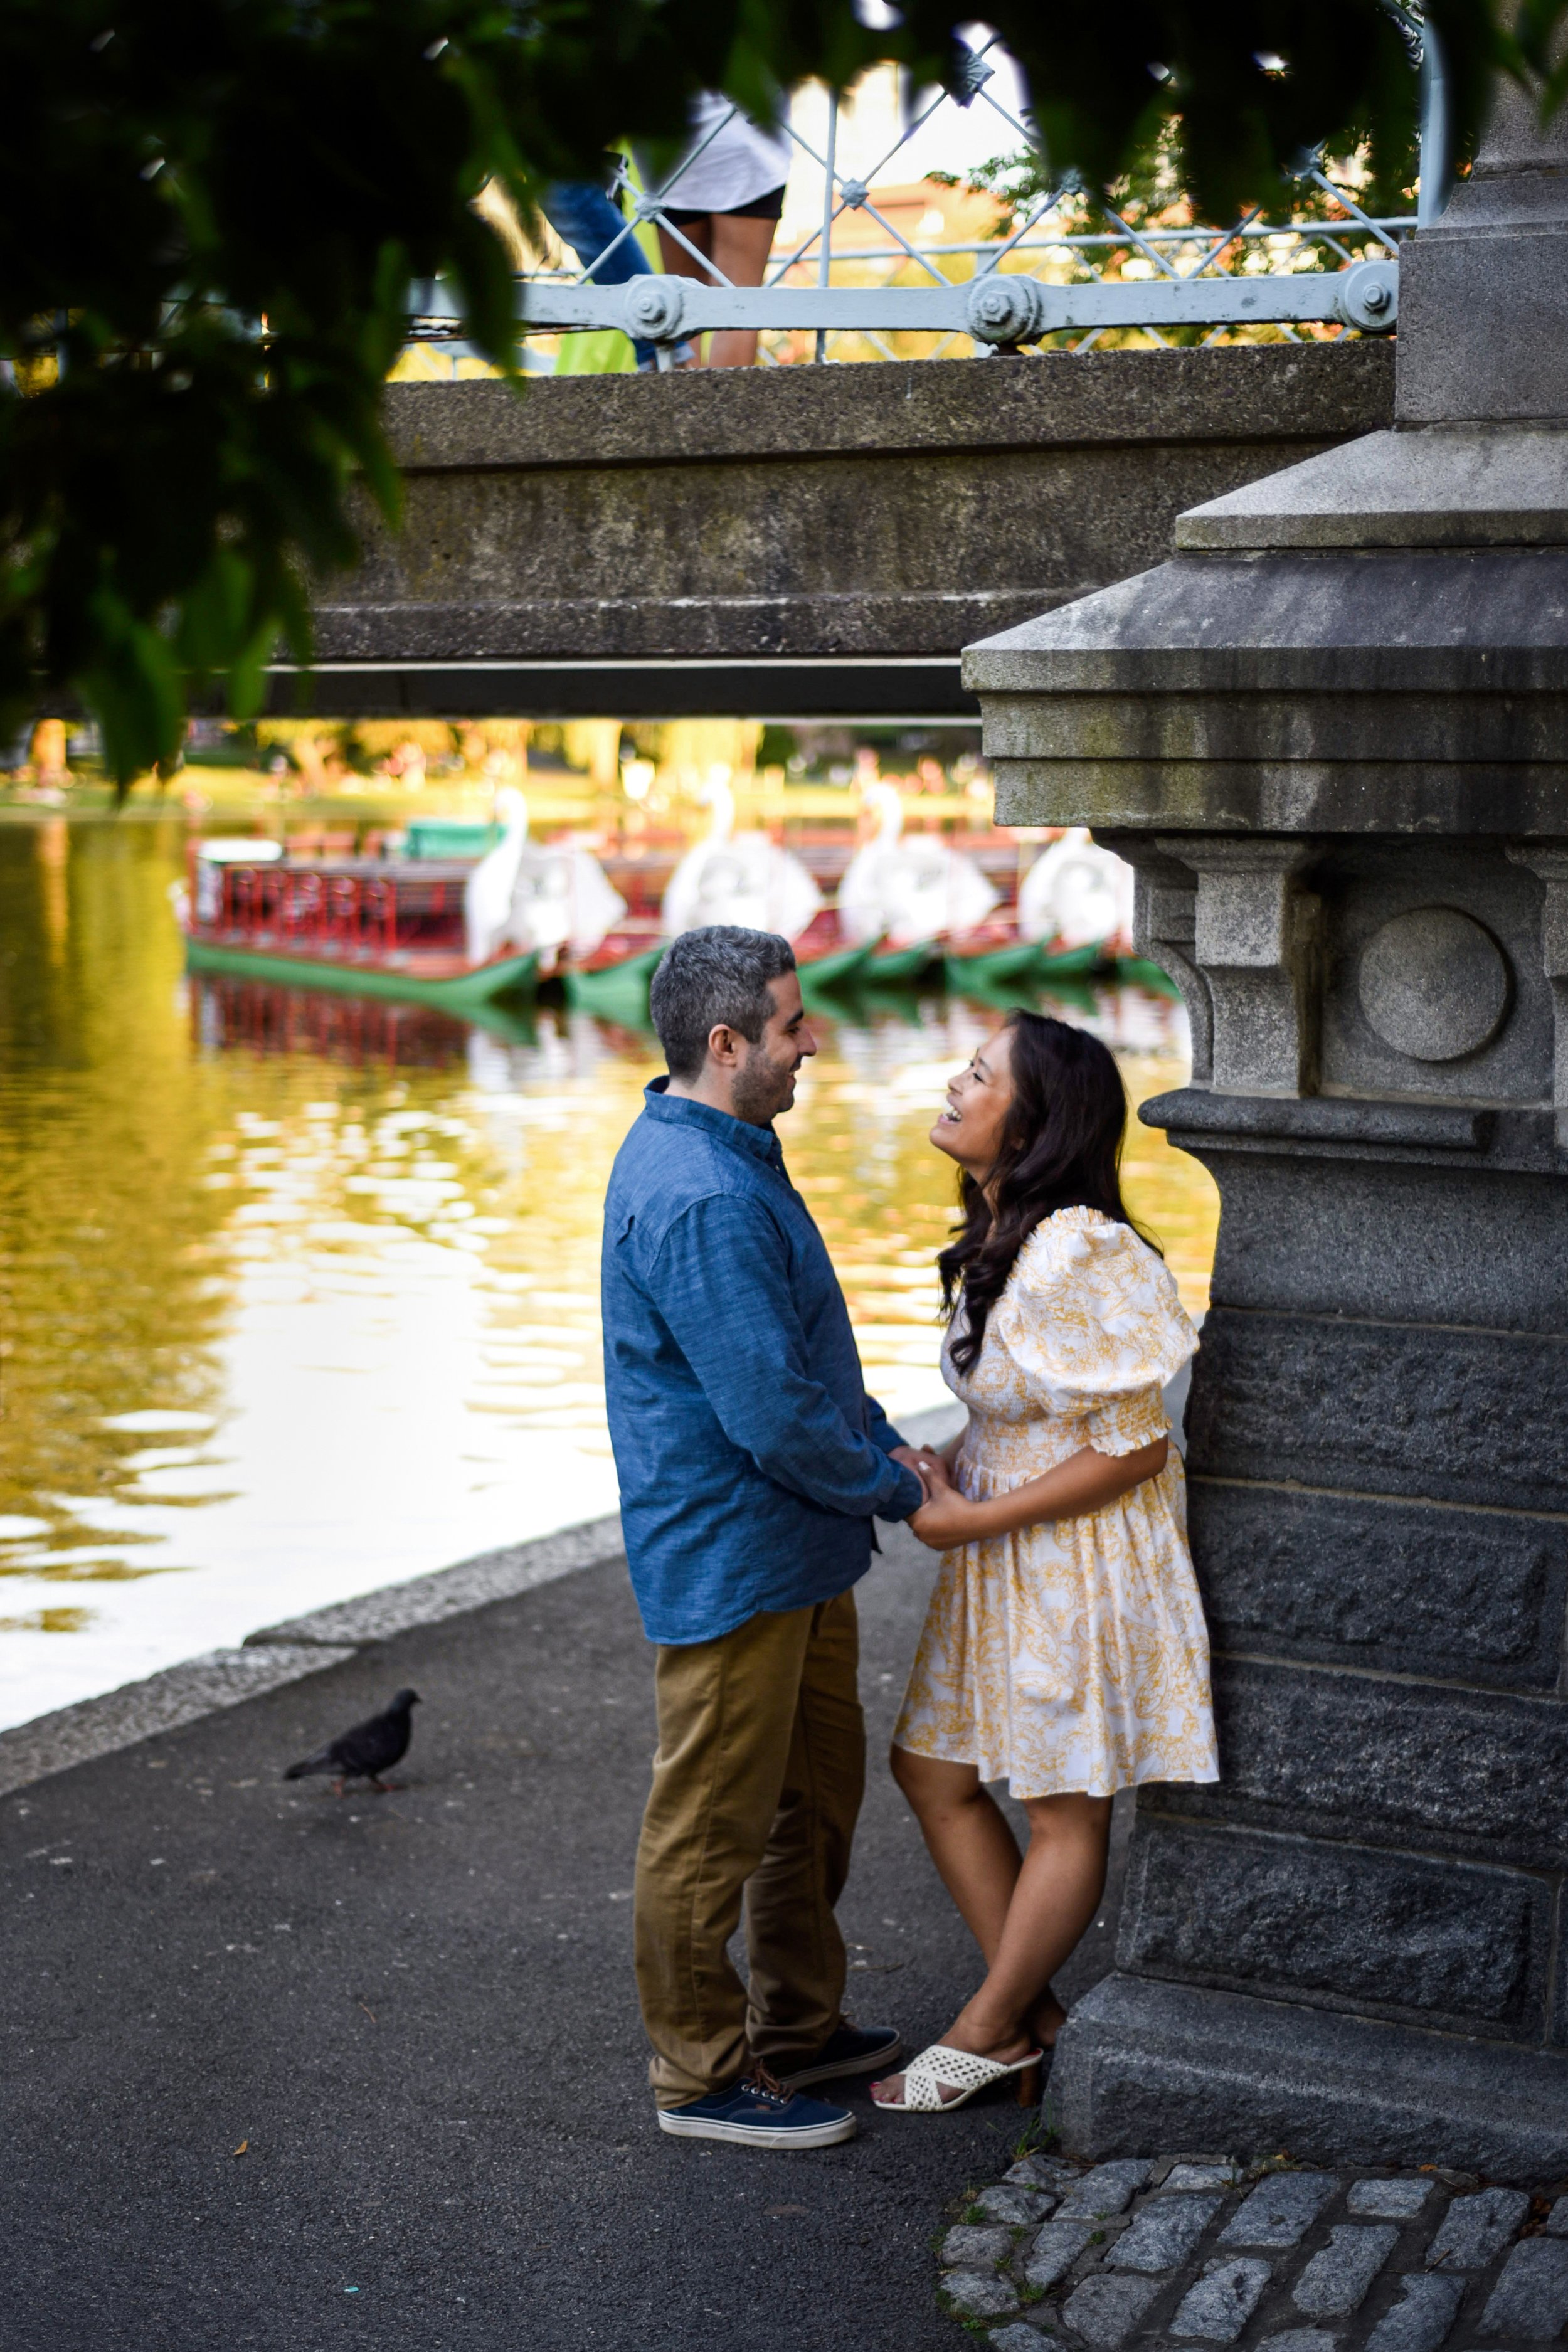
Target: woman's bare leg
x,y
739,247
1056,1892
968,1839
678,262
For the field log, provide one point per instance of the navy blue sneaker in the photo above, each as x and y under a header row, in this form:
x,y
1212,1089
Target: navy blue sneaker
x,y
850,2049
756,2112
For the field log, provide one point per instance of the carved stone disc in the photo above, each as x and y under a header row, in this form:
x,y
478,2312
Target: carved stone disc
x,y
1433,984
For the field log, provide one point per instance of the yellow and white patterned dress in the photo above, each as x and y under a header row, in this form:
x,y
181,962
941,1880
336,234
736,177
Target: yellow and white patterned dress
x,y
1072,1655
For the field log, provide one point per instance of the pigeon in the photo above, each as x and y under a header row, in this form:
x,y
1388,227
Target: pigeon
x,y
365,1752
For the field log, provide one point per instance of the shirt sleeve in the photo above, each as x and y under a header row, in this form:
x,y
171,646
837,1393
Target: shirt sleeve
x,y
1093,1325
720,1281
879,1428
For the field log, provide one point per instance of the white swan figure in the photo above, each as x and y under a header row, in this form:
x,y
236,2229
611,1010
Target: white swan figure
x,y
907,891
737,878
1076,894
487,894
562,902
537,901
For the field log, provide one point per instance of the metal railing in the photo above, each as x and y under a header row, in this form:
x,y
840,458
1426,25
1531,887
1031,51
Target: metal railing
x,y
1066,270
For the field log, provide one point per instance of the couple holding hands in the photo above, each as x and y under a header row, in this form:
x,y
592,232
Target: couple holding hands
x,y
1064,1649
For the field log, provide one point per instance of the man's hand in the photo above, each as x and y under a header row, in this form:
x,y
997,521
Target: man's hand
x,y
914,1458
946,1518
929,1466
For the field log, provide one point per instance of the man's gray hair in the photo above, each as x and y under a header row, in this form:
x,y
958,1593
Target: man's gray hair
x,y
718,974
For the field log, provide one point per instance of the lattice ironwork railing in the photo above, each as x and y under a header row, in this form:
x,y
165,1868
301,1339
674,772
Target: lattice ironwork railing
x,y
1066,270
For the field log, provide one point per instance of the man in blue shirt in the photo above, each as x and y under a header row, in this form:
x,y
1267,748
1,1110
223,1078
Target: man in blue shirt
x,y
752,1465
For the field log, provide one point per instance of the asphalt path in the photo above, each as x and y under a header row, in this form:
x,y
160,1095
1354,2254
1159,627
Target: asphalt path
x,y
415,2015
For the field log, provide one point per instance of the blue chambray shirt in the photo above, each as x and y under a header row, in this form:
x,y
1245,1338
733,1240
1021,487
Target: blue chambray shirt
x,y
752,1461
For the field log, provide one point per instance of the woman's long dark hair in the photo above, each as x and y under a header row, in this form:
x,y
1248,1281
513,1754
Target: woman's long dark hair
x,y
1061,1149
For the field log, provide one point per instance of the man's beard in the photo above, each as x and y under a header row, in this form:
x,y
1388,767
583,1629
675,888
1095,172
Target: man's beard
x,y
760,1092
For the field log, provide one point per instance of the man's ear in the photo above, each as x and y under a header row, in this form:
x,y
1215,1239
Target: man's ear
x,y
723,1044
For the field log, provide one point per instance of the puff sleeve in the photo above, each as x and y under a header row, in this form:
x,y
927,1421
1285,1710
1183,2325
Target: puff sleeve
x,y
1094,1328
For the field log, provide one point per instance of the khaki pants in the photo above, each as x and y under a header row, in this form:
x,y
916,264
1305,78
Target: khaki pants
x,y
756,1787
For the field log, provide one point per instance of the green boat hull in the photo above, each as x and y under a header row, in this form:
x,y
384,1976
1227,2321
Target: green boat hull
x,y
901,963
1019,995
831,971
1068,990
620,992
467,993
866,1000
1020,959
1073,963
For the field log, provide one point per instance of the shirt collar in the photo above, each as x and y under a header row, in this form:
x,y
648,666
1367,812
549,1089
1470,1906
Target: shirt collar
x,y
680,1110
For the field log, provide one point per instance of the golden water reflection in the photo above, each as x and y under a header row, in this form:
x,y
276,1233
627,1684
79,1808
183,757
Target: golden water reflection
x,y
299,1296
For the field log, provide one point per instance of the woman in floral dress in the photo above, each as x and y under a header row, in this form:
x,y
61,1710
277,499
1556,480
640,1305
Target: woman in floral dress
x,y
1064,1649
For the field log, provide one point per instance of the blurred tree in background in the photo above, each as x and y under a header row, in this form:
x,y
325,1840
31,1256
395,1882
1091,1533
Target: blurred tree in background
x,y
211,212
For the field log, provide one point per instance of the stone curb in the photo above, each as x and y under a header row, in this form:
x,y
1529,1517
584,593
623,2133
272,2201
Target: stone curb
x,y
118,1719
285,1653
324,1637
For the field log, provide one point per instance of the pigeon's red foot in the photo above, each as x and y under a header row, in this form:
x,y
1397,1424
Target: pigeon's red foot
x,y
339,1789
385,1787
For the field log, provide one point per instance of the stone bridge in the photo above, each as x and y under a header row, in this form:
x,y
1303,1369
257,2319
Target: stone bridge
x,y
803,542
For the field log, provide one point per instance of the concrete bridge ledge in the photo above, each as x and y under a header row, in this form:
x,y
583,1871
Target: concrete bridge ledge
x,y
1279,391
813,541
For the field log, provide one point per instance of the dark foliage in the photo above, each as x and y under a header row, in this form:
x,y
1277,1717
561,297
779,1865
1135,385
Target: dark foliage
x,y
179,175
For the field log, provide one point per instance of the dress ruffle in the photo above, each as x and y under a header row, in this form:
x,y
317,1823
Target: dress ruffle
x,y
1090,1314
1073,1656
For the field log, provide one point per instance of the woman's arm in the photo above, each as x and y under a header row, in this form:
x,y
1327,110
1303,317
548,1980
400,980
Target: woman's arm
x,y
1085,1482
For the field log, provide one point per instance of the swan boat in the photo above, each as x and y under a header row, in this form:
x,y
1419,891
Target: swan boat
x,y
744,878
441,931
902,899
363,926
1076,904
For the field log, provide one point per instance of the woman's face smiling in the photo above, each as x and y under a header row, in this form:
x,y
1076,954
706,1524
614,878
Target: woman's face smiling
x,y
978,1101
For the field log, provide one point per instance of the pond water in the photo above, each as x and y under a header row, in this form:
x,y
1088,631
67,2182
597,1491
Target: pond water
x,y
299,1294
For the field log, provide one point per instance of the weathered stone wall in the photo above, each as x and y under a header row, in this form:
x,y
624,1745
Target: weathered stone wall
x,y
1379,1494
1328,734
769,539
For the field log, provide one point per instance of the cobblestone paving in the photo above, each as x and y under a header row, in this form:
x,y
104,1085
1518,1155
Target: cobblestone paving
x,y
1204,2254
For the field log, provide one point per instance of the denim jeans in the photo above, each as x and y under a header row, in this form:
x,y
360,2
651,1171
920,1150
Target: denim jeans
x,y
585,217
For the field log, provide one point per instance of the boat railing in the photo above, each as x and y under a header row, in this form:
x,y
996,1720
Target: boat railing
x,y
369,914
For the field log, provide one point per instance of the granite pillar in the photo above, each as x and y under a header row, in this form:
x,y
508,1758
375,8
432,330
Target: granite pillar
x,y
1331,734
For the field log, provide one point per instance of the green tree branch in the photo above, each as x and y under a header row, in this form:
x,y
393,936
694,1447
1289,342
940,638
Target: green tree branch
x,y
211,212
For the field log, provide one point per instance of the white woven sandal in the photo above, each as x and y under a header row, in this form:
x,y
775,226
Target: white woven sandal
x,y
939,2065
